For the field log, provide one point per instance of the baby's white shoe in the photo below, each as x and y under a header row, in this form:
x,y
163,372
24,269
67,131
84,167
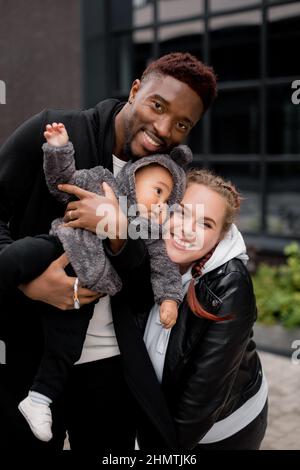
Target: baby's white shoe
x,y
39,418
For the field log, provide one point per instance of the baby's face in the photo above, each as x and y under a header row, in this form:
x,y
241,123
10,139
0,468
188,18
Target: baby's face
x,y
153,186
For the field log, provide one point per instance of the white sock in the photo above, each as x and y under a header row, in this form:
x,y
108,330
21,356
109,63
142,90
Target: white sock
x,y
37,397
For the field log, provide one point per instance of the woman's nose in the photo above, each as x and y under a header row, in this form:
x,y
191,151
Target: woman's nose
x,y
189,227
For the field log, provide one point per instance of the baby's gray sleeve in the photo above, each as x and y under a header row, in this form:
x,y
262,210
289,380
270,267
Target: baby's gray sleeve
x,y
87,256
59,168
165,276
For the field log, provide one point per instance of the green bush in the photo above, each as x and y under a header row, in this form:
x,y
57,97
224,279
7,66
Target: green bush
x,y
277,290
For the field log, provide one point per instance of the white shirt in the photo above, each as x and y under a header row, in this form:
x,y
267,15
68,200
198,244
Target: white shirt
x,y
100,341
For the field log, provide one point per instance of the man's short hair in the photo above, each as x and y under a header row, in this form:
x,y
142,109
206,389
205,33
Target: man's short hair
x,y
188,69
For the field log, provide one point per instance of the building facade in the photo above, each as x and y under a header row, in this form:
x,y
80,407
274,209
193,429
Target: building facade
x,y
40,59
251,135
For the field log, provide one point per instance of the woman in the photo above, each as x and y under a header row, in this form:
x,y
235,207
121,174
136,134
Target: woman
x,y
208,367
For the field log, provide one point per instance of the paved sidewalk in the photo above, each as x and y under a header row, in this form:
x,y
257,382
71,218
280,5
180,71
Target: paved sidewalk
x,y
283,378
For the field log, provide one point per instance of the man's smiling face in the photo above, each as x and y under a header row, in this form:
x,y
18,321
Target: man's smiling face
x,y
162,112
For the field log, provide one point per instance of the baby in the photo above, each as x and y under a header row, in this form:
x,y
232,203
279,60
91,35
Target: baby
x,y
149,181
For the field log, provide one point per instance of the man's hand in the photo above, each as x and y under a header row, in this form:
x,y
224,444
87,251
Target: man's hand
x,y
98,214
81,213
54,287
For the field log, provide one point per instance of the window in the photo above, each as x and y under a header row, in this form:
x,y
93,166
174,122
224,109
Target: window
x,y
283,121
181,37
283,199
216,5
235,45
251,134
235,123
143,50
142,13
169,10
283,40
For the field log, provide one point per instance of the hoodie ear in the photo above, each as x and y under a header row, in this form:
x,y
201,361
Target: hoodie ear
x,y
182,155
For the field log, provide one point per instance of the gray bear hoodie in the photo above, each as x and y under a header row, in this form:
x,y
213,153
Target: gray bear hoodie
x,y
85,249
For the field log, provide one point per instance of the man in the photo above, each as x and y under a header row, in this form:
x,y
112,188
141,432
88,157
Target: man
x,y
97,407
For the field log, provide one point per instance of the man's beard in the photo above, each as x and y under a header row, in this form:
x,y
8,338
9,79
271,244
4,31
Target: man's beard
x,y
129,135
128,139
127,150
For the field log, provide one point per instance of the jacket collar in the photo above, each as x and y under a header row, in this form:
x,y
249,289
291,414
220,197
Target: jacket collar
x,y
231,246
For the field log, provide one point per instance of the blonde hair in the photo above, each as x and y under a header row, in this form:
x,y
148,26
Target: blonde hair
x,y
221,186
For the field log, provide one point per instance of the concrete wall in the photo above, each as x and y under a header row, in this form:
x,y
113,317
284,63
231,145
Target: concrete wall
x,y
40,58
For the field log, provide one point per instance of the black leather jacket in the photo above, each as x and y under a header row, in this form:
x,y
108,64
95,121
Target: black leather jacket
x,y
211,368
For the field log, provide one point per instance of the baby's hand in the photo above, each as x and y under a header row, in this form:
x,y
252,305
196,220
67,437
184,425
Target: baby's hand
x,y
168,313
56,134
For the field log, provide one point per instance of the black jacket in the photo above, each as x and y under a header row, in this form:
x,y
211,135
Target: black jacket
x,y
27,209
211,368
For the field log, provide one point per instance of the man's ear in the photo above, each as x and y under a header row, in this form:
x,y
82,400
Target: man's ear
x,y
136,85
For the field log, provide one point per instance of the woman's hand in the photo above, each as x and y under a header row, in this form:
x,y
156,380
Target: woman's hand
x,y
99,214
54,287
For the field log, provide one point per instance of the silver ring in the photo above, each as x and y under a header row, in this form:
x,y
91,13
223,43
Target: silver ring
x,y
75,295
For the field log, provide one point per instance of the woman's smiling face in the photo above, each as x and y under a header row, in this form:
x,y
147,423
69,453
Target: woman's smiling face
x,y
196,229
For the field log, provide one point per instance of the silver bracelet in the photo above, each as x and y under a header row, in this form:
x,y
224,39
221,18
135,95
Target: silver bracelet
x,y
75,294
